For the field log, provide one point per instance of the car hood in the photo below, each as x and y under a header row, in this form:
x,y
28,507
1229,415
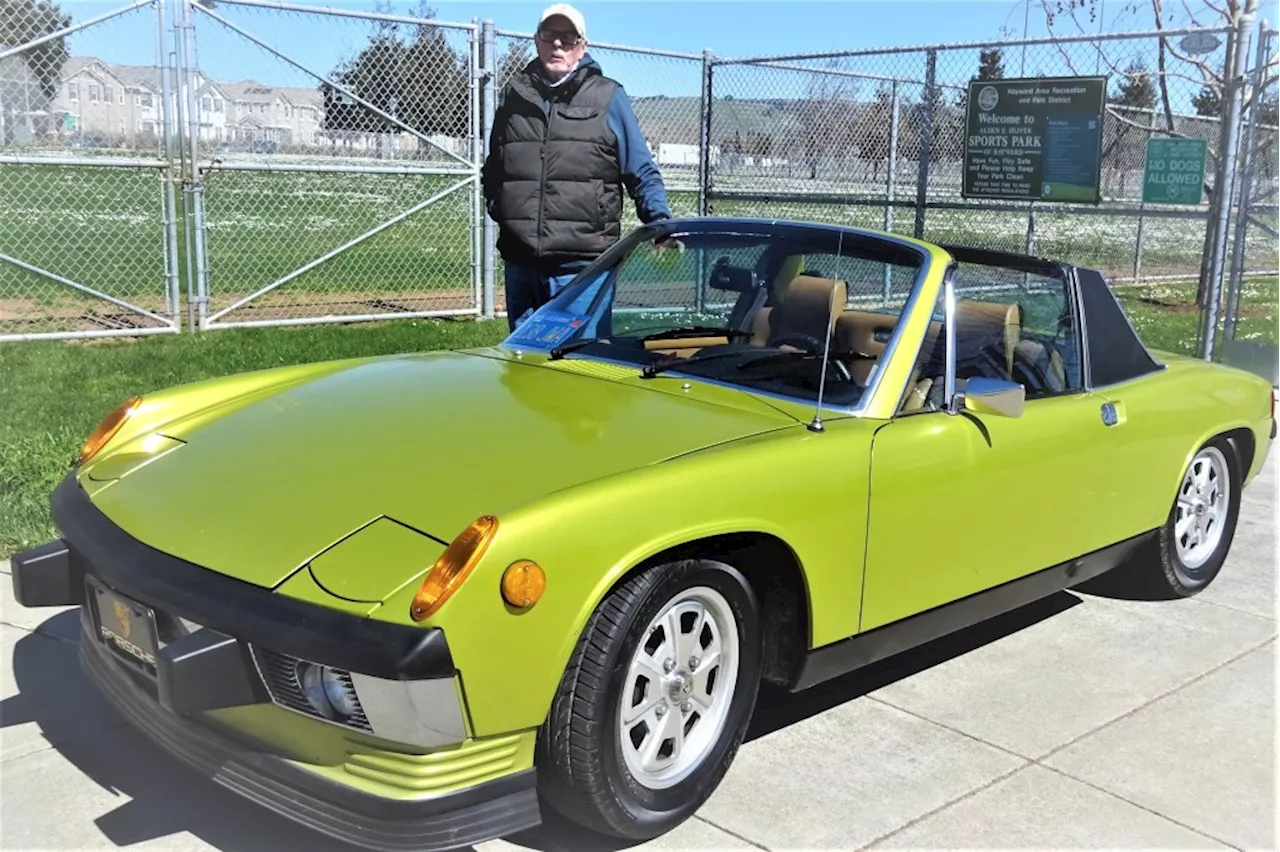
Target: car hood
x,y
258,488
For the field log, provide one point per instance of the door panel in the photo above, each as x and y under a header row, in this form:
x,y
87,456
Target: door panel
x,y
964,502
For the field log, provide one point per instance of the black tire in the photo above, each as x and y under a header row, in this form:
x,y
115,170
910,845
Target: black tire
x,y
582,772
1158,571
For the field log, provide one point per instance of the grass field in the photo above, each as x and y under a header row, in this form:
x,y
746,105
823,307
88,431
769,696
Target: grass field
x,y
52,393
104,228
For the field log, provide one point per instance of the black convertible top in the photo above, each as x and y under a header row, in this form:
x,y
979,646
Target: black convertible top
x,y
1115,352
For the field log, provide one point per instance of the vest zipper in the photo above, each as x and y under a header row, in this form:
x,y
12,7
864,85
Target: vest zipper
x,y
542,182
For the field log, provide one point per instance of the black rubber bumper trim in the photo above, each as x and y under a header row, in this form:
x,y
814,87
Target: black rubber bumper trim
x,y
250,613
485,812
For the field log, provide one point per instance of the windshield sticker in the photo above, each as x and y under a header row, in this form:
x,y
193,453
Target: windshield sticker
x,y
548,328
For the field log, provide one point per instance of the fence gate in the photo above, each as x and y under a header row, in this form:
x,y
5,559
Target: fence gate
x,y
87,198
329,193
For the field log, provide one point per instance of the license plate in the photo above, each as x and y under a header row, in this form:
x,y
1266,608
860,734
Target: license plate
x,y
125,625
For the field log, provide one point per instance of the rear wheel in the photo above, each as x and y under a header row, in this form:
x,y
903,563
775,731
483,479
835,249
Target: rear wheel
x,y
655,701
1193,542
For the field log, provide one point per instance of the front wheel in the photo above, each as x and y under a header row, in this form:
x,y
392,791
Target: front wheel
x,y
655,700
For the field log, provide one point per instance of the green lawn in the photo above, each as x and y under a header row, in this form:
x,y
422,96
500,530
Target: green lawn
x,y
104,228
53,393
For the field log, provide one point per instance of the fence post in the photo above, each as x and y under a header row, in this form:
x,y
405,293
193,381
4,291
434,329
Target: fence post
x,y
166,175
194,181
489,70
474,74
1142,205
891,180
926,141
1230,134
704,137
1246,187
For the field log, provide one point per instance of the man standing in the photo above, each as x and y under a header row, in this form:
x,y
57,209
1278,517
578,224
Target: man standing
x,y
565,143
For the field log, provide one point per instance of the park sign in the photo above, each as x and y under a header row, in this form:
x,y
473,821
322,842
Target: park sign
x,y
1174,172
1034,139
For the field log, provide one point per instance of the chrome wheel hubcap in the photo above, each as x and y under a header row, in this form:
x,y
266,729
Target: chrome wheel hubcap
x,y
1203,503
679,686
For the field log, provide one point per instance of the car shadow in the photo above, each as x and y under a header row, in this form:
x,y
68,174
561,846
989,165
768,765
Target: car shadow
x,y
162,797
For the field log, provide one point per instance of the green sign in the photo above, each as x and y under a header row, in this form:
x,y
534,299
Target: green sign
x,y
1174,172
1035,139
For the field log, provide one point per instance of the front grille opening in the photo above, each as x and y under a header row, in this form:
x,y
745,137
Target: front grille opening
x,y
280,675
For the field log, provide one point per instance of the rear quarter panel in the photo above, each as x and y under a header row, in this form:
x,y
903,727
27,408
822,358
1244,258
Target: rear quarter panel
x,y
1165,419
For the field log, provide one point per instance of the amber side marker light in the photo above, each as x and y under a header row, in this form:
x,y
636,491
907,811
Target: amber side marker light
x,y
107,429
523,584
453,566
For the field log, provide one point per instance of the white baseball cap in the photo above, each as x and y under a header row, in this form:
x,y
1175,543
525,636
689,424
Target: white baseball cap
x,y
574,16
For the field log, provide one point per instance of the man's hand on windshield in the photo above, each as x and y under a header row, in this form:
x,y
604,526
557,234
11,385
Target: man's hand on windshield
x,y
665,244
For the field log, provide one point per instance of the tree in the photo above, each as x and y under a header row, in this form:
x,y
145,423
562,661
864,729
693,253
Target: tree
x,y
1228,13
826,118
23,21
991,64
408,72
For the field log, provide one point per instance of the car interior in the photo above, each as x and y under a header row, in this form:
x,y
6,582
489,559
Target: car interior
x,y
793,308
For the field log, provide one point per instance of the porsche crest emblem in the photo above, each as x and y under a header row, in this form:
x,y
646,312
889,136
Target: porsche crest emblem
x,y
122,616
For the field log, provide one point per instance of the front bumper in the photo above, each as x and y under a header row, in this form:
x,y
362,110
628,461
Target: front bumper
x,y
206,642
494,809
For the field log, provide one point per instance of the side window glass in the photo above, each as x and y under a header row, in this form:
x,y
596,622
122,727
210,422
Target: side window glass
x,y
1017,326
925,385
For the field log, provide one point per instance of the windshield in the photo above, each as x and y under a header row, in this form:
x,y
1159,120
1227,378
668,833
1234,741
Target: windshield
x,y
753,304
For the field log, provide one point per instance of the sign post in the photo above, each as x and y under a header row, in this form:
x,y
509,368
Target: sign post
x,y
1174,171
1035,139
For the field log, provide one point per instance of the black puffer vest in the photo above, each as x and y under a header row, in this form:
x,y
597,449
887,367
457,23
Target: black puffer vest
x,y
559,195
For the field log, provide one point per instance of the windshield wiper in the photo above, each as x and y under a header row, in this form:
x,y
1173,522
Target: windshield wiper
x,y
693,331
561,351
674,363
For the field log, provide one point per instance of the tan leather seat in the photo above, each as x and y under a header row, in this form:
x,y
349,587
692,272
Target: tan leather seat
x,y
990,320
810,307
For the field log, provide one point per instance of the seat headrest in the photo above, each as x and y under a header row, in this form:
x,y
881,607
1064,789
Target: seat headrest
x,y
812,306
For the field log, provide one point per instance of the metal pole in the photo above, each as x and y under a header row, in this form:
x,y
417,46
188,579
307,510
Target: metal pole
x,y
1137,249
1246,187
926,141
704,137
166,175
475,71
194,180
489,64
1231,128
891,179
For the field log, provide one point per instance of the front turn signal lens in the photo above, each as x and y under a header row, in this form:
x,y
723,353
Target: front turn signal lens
x,y
453,566
523,584
107,429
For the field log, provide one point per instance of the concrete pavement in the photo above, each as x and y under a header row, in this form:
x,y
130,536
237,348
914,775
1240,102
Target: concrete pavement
x,y
1082,721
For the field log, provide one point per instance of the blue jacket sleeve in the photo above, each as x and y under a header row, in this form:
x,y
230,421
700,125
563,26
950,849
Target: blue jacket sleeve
x,y
640,173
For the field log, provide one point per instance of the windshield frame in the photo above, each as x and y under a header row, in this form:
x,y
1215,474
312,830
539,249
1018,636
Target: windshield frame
x,y
926,258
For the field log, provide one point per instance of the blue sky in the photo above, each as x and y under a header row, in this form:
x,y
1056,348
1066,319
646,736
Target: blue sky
x,y
728,27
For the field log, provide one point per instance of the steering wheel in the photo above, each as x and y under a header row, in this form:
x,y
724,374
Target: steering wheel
x,y
806,342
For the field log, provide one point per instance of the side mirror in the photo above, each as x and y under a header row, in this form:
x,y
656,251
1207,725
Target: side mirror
x,y
993,396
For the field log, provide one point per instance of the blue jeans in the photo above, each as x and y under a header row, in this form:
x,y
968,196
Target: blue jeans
x,y
528,289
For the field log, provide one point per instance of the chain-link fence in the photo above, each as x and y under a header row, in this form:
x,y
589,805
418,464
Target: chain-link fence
x,y
246,162
337,192
86,208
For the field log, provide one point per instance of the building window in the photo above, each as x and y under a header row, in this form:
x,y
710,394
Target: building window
x,y
122,125
146,101
106,94
73,91
95,93
217,104
121,96
206,105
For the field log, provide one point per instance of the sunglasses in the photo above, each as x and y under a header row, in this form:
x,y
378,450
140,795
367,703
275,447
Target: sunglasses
x,y
567,39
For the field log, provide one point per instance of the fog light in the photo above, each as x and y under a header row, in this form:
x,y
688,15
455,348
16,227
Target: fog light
x,y
328,691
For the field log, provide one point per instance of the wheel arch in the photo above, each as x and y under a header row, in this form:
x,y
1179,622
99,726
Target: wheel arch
x,y
778,579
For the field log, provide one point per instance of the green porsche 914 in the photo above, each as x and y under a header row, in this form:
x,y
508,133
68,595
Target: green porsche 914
x,y
413,601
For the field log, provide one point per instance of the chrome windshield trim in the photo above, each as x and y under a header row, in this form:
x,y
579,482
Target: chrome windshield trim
x,y
895,339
